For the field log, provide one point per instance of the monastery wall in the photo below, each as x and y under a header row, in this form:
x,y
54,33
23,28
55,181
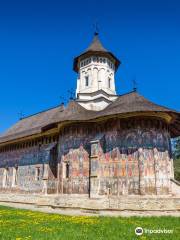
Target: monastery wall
x,y
26,170
112,158
123,157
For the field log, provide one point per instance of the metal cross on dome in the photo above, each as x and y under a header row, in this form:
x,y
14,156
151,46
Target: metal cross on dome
x,y
96,28
134,85
21,115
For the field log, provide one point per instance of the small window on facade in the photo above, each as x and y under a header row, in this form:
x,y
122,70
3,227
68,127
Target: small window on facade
x,y
86,81
109,82
37,174
67,170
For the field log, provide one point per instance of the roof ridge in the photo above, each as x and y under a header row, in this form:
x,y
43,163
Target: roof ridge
x,y
128,93
46,110
76,104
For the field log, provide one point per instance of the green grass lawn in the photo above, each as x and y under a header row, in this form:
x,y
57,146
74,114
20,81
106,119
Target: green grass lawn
x,y
24,224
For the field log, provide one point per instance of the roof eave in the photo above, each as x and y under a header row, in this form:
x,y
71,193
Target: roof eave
x,y
107,54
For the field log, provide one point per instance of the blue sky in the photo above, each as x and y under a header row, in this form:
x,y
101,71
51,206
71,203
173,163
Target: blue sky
x,y
39,39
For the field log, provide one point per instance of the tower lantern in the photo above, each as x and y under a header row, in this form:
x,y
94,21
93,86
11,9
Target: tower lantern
x,y
96,68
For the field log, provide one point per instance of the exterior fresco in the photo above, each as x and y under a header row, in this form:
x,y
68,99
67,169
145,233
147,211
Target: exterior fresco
x,y
27,161
115,157
123,157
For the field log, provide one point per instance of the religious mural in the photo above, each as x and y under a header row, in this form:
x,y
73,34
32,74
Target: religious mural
x,y
120,156
114,157
32,165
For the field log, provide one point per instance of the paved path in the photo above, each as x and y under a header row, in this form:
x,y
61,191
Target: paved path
x,y
76,212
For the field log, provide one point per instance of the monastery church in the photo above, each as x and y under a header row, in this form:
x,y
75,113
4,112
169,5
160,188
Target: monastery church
x,y
101,144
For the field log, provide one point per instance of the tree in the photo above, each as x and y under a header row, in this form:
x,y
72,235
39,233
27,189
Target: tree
x,y
176,148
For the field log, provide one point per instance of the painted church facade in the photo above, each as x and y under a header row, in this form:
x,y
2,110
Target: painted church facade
x,y
100,144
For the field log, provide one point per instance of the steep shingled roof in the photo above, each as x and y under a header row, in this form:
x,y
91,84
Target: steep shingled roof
x,y
128,103
96,45
133,102
31,125
95,48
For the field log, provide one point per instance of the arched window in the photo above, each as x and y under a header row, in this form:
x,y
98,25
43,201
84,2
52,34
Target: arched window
x,y
86,81
109,82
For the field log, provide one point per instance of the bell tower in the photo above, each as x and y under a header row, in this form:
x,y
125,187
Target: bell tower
x,y
96,68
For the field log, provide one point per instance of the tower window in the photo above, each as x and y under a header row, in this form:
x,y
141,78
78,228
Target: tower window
x,y
109,82
87,81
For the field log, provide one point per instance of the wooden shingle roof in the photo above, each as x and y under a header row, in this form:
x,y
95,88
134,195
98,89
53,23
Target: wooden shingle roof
x,y
95,48
30,125
124,104
96,45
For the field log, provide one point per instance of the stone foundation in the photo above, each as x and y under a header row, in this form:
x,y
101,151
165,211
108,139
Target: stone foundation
x,y
131,203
